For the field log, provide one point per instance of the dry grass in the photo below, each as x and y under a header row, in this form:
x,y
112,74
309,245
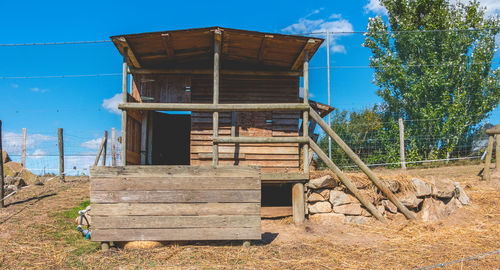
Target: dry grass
x,y
38,233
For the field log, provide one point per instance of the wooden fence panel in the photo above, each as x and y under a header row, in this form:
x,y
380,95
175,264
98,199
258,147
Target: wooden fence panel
x,y
170,203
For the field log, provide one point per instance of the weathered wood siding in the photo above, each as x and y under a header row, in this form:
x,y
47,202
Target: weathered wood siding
x,y
134,124
167,203
238,89
234,89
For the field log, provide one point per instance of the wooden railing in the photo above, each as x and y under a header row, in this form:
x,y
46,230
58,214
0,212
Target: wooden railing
x,y
492,133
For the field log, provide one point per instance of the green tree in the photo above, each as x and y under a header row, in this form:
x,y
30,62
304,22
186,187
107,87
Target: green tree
x,y
432,63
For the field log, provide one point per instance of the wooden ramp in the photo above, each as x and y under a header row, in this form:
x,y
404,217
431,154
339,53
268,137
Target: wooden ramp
x,y
170,203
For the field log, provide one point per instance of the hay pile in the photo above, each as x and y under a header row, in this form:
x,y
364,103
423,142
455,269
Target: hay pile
x,y
16,176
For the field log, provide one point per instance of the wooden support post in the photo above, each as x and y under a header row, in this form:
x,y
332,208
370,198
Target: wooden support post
x,y
346,181
23,149
60,142
1,169
99,152
104,149
487,162
123,156
497,152
104,246
402,143
113,147
305,114
373,177
144,138
215,120
150,138
298,203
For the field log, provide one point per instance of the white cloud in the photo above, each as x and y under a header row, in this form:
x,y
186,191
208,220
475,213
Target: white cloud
x,y
37,154
92,144
14,85
374,6
12,142
36,89
335,23
335,16
111,104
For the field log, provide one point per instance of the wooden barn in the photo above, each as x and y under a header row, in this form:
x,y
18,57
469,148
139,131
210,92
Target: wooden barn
x,y
213,129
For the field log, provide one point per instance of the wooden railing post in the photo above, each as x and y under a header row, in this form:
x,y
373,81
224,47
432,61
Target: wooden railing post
x,y
23,149
497,152
104,150
113,147
402,143
123,156
487,162
60,142
1,169
215,120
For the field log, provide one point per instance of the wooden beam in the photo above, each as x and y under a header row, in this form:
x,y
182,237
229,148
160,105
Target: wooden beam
x,y
202,107
373,177
128,52
494,130
305,114
222,72
262,47
104,149
260,140
346,181
215,120
123,156
300,58
167,45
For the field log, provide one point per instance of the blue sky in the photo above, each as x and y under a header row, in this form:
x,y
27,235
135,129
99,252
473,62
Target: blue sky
x,y
78,104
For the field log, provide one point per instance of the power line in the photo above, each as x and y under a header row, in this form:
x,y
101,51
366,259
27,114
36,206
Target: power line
x,y
59,76
310,33
54,43
421,65
400,31
336,67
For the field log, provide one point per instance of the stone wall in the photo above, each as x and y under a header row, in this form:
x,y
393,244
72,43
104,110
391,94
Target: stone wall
x,y
328,200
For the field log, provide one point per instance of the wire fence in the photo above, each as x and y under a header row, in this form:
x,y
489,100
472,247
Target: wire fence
x,y
379,143
42,151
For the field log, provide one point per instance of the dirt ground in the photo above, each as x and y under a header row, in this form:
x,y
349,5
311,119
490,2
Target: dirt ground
x,y
37,231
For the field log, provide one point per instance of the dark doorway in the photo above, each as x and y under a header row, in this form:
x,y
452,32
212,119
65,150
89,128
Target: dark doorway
x,y
171,139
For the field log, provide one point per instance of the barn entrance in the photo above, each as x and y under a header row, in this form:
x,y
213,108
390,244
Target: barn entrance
x,y
171,139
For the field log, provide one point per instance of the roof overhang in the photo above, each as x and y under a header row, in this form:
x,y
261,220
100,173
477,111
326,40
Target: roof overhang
x,y
193,49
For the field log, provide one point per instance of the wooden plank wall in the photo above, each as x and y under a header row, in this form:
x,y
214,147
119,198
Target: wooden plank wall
x,y
244,89
134,125
168,203
234,89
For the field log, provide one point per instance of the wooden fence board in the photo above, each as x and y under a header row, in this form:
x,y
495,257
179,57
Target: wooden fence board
x,y
175,196
158,222
176,234
173,183
175,209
